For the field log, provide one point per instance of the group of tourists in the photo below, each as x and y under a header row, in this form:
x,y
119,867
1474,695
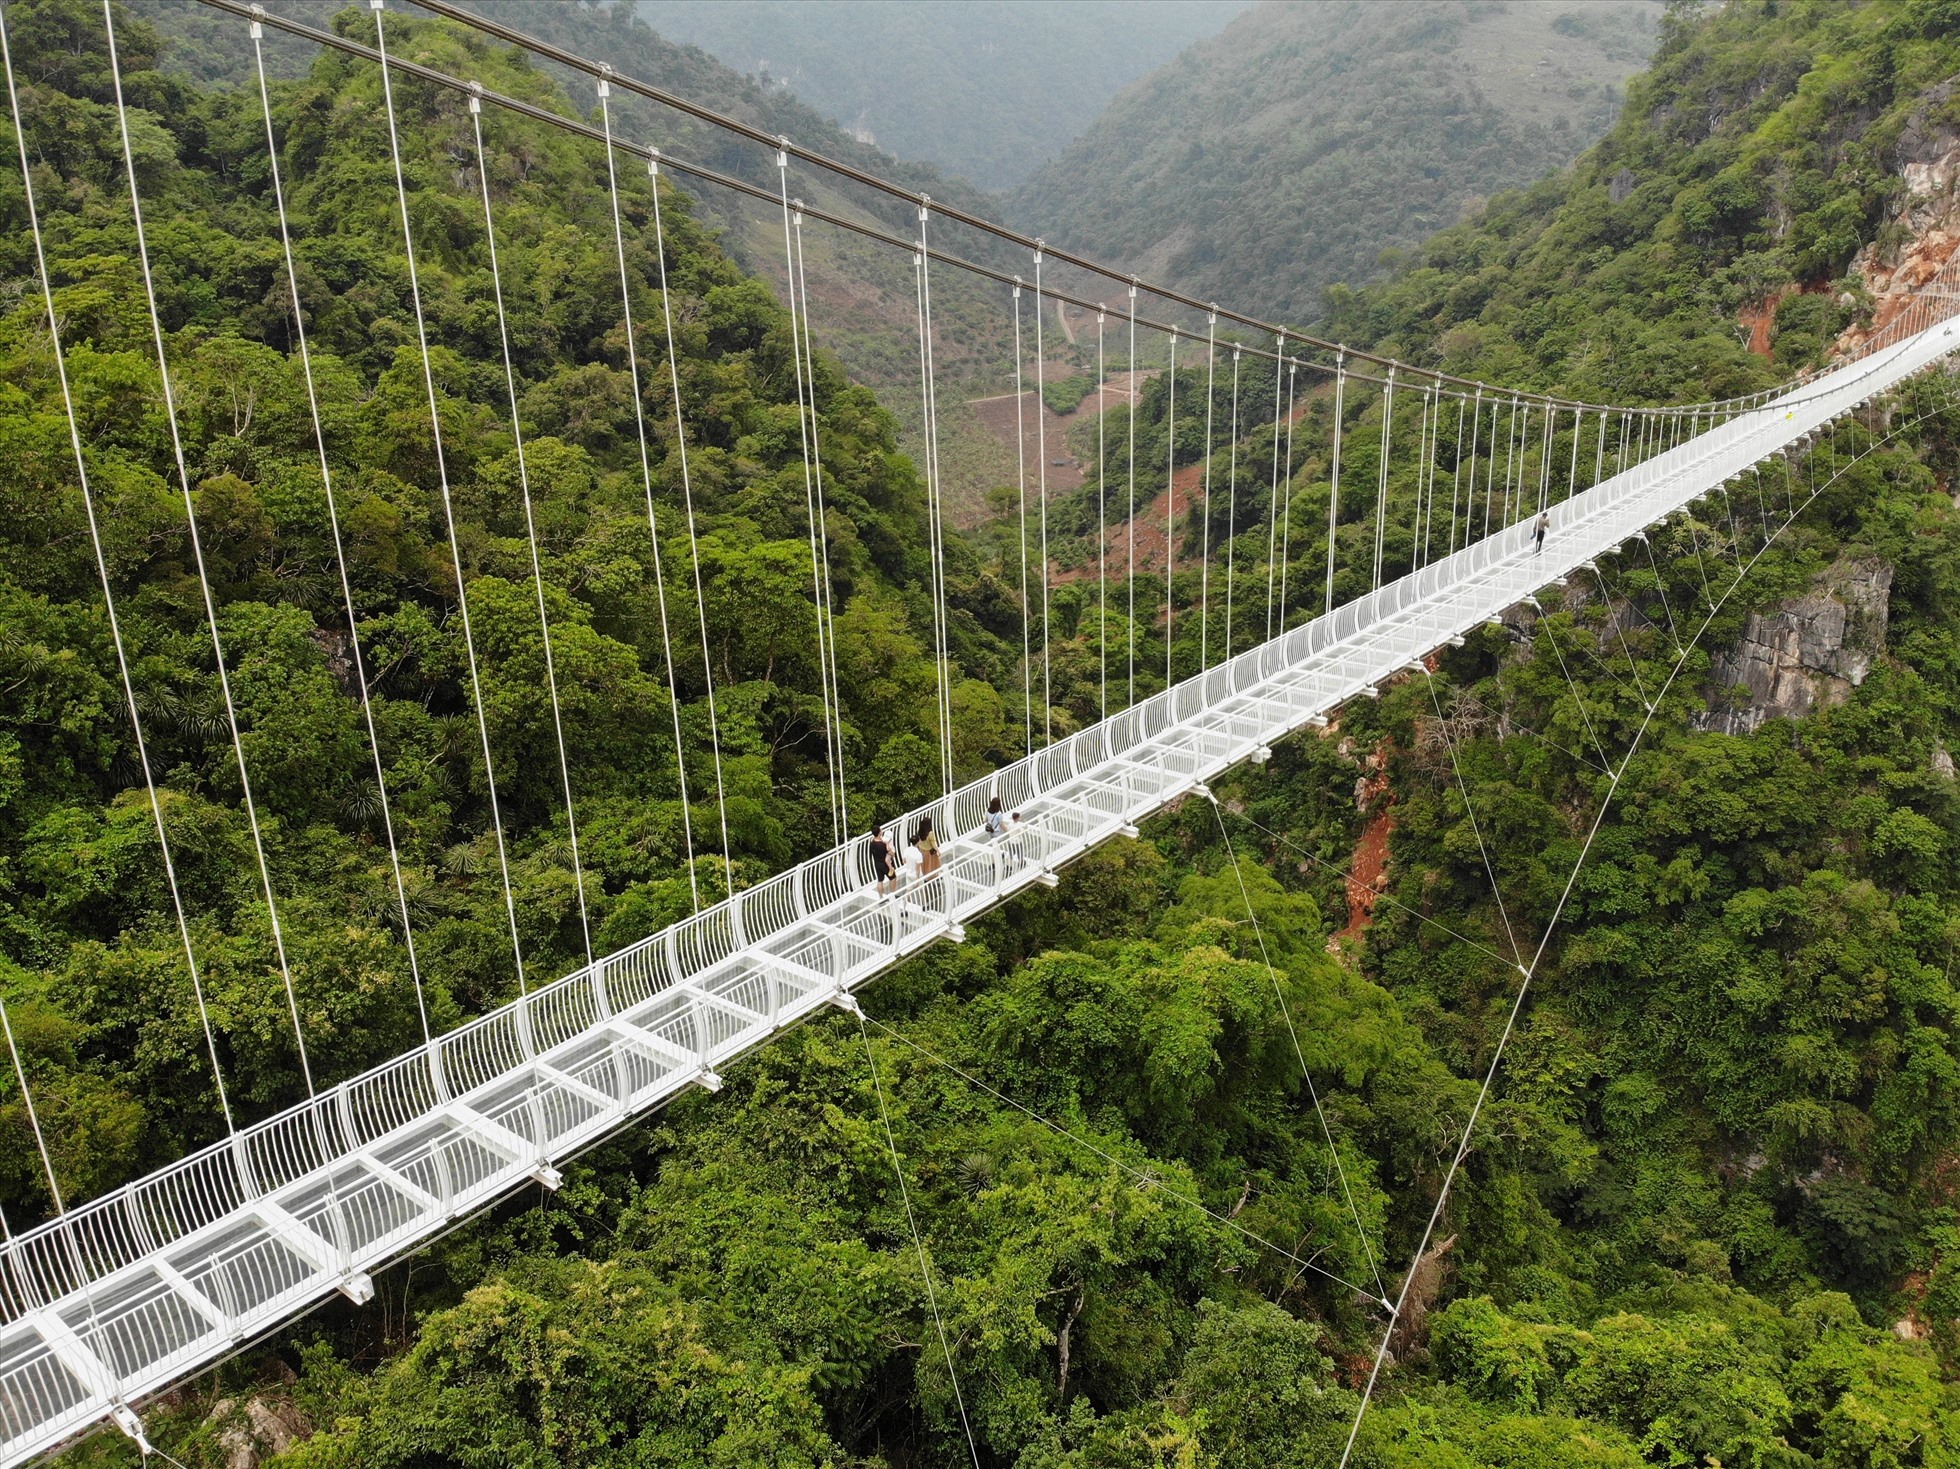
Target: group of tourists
x,y
898,863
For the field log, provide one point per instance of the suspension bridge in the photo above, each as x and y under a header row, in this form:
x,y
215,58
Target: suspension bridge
x,y
110,1301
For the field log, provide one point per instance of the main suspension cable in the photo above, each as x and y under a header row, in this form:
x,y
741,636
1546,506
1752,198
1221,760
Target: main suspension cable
x,y
599,70
451,10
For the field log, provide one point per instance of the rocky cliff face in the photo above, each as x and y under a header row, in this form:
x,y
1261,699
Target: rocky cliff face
x,y
1807,654
1925,219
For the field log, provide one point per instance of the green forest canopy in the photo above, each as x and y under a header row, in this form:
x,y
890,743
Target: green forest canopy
x,y
1715,1175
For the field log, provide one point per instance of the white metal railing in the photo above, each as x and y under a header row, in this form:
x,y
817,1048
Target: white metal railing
x,y
148,1284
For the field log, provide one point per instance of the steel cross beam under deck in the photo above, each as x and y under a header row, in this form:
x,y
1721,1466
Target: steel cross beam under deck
x,y
149,1285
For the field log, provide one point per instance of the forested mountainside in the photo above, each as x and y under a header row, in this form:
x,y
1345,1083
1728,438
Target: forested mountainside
x,y
1306,144
1708,1216
87,927
860,294
1775,170
989,90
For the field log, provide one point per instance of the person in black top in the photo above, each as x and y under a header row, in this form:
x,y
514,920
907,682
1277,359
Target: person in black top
x,y
881,858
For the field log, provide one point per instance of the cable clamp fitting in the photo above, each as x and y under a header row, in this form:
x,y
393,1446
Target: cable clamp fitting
x,y
605,89
653,163
255,30
1037,250
125,1418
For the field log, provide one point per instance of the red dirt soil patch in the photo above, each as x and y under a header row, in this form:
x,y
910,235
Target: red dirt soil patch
x,y
1147,529
1368,870
1760,319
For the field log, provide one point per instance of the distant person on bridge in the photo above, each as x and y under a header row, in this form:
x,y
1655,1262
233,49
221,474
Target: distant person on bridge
x,y
1538,536
927,841
881,859
996,818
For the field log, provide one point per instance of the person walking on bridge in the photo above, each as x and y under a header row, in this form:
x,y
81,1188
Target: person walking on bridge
x,y
881,858
1538,536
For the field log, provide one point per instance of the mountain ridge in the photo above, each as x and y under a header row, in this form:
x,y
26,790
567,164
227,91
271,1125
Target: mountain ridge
x,y
1294,148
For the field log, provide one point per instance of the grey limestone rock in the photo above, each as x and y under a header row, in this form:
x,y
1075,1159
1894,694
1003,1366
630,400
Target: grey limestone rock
x,y
1807,654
